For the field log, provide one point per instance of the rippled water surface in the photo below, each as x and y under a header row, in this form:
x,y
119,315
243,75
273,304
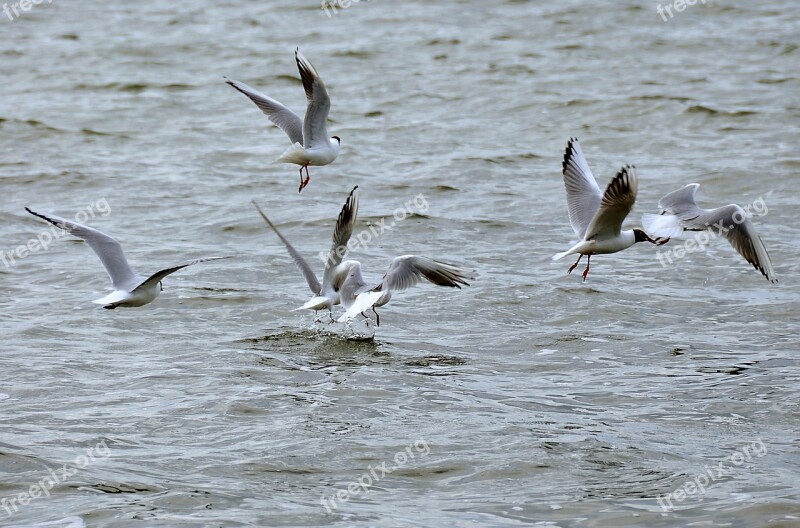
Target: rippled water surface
x,y
529,397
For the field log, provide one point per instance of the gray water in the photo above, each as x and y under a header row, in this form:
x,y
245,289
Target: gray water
x,y
529,397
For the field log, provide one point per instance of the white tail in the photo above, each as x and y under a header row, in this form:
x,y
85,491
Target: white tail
x,y
316,303
662,226
363,302
294,154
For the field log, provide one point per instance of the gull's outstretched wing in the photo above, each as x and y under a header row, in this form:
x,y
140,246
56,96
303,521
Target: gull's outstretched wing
x,y
287,120
733,222
406,271
315,127
583,194
301,263
341,236
108,249
617,202
158,276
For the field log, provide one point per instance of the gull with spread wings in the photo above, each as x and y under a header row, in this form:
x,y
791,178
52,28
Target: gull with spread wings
x,y
325,296
597,217
679,213
310,142
130,288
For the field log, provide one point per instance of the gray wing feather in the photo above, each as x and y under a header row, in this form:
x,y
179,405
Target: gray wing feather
x,y
406,271
159,275
341,236
107,249
583,194
284,118
299,261
315,128
681,202
617,202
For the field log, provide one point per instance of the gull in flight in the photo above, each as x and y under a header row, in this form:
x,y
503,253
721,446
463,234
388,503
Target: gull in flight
x,y
597,217
403,273
310,142
130,288
680,213
325,297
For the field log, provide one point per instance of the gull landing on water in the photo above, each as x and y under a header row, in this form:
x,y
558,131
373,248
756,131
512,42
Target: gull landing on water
x,y
680,213
597,217
325,297
130,289
403,273
310,142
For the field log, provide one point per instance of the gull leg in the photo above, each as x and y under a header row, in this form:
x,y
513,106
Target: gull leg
x,y
303,183
377,317
366,318
330,314
301,180
586,271
574,265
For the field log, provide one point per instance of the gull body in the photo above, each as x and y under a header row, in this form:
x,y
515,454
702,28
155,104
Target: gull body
x,y
596,217
679,213
310,142
325,297
404,272
130,288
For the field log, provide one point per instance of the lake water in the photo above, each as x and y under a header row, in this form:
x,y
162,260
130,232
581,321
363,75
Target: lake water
x,y
650,395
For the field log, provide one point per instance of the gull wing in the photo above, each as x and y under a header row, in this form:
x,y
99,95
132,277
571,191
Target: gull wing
x,y
158,276
284,118
341,236
106,248
406,271
617,202
315,127
583,194
299,261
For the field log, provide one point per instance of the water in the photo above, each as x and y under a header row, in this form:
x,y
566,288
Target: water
x,y
530,397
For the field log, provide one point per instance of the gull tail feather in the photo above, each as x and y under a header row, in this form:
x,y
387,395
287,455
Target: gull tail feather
x,y
363,302
113,297
662,226
316,303
294,154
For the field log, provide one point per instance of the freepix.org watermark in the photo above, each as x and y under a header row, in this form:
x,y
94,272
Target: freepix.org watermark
x,y
362,240
13,11
11,505
332,6
697,486
714,231
678,5
42,242
374,475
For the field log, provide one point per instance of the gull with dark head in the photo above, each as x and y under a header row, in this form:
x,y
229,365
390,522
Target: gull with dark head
x,y
130,288
310,142
597,217
679,213
325,296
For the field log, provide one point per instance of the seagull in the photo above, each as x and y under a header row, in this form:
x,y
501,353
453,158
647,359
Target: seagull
x,y
325,297
680,213
310,142
403,273
130,288
597,217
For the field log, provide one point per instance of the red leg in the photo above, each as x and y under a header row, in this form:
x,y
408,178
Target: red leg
x,y
574,265
303,183
586,271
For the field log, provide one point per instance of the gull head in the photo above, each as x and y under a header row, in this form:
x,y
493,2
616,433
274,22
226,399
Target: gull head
x,y
640,236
